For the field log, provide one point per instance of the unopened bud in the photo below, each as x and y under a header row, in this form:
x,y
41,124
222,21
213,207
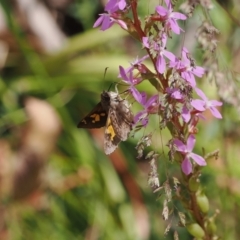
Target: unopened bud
x,y
194,184
203,202
195,230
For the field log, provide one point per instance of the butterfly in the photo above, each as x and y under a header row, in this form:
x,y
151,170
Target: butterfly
x,y
113,113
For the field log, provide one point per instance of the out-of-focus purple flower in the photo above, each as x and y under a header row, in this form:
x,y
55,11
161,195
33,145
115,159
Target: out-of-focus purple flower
x,y
130,80
115,5
106,21
150,107
170,18
160,49
202,105
186,149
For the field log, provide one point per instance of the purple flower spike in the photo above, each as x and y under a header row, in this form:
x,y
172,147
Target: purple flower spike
x,y
170,17
202,105
150,107
186,149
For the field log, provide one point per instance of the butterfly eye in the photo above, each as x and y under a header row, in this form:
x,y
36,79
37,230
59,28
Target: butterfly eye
x,y
105,97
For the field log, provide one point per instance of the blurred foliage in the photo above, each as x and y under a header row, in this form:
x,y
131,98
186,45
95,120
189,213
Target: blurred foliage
x,y
83,193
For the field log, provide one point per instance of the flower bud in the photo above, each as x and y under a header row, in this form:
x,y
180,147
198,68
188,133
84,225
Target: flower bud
x,y
203,202
193,184
211,227
195,230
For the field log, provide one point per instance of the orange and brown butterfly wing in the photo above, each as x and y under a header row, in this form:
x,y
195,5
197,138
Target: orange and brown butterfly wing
x,y
118,126
95,119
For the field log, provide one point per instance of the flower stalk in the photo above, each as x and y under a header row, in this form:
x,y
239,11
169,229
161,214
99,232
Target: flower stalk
x,y
175,79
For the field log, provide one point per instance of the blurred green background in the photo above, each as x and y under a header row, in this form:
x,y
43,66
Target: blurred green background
x,y
55,180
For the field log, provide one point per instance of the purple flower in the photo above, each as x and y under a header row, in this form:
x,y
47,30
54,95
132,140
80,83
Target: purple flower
x,y
186,149
136,63
115,5
170,18
129,79
202,105
186,69
174,93
161,63
160,48
150,107
106,21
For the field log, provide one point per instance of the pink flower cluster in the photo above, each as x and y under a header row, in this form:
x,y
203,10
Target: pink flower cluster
x,y
176,89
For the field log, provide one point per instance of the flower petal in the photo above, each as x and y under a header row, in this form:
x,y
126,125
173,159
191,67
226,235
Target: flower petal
x,y
169,55
136,94
161,11
111,6
216,103
144,99
161,64
138,116
122,24
98,21
201,94
185,114
198,71
215,112
180,146
151,100
145,42
107,23
191,142
174,26
198,159
123,75
186,166
198,104
188,76
138,61
177,15
122,4
145,122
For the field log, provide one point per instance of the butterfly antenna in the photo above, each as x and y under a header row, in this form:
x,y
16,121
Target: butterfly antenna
x,y
105,72
116,83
